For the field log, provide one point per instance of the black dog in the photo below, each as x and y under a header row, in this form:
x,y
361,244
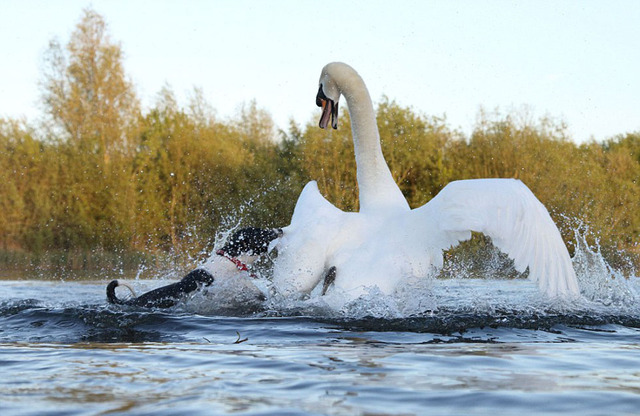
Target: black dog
x,y
244,242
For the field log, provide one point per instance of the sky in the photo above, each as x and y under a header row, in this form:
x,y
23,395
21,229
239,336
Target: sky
x,y
575,61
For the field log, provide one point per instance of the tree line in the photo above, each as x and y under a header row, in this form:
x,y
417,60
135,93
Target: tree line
x,y
103,174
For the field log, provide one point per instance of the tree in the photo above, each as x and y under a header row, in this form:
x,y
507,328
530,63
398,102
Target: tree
x,y
414,147
255,125
85,91
93,113
328,157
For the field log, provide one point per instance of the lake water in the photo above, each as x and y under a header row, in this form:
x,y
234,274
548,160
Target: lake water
x,y
450,347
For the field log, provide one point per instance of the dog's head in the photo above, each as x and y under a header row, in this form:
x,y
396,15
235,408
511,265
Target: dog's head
x,y
199,276
193,280
250,241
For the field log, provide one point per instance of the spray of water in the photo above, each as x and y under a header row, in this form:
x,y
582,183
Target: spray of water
x,y
485,283
599,282
485,286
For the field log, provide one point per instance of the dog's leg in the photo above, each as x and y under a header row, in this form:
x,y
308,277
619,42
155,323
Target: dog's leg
x,y
329,278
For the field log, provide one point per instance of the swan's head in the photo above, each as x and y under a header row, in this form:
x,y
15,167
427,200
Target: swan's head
x,y
329,94
338,79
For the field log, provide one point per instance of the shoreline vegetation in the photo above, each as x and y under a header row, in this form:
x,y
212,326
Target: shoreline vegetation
x,y
99,183
78,264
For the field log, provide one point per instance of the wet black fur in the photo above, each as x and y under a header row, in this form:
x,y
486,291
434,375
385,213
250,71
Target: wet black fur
x,y
166,296
251,241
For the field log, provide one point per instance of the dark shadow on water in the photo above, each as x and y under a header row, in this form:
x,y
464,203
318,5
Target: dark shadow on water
x,y
448,322
29,321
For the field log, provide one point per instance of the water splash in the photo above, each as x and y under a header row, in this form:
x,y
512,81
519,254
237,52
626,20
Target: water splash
x,y
483,283
488,287
600,282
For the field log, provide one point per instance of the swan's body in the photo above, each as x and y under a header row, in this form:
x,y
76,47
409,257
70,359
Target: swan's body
x,y
386,242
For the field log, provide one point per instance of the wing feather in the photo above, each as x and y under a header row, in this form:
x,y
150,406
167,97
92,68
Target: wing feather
x,y
509,213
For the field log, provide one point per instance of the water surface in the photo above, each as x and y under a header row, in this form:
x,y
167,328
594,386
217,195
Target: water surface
x,y
477,347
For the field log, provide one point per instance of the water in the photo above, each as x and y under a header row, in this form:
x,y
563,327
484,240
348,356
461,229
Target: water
x,y
454,347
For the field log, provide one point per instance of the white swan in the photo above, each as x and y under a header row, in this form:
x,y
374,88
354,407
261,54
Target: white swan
x,y
387,242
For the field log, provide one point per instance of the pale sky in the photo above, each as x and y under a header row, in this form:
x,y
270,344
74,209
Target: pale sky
x,y
577,61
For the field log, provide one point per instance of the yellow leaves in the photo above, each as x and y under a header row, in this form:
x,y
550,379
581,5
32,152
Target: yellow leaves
x,y
86,92
108,176
328,157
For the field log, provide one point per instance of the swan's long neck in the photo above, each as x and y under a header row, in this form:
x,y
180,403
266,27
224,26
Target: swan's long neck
x,y
378,190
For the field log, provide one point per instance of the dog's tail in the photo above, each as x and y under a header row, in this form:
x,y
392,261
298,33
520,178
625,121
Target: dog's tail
x,y
111,292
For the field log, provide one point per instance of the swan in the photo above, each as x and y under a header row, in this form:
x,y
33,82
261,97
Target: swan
x,y
386,242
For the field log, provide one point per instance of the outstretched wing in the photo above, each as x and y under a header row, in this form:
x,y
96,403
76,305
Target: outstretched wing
x,y
302,251
516,221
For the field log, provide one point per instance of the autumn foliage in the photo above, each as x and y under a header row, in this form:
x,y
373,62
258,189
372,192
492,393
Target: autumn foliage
x,y
102,173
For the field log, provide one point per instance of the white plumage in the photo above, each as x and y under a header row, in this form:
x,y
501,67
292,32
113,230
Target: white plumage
x,y
387,242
